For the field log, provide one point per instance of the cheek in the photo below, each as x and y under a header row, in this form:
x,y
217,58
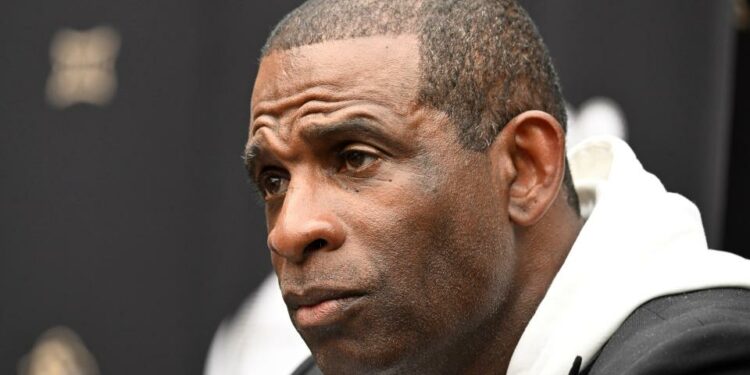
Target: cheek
x,y
441,253
470,262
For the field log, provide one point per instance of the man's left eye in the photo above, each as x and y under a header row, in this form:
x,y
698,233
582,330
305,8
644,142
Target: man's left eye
x,y
355,160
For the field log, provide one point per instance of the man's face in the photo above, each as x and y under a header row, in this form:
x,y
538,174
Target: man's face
x,y
390,240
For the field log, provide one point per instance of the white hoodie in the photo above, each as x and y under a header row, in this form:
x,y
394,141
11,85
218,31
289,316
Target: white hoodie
x,y
639,242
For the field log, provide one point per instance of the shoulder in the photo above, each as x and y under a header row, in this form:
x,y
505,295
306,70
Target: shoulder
x,y
701,332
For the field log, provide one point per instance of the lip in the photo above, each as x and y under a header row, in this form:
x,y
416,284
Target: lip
x,y
320,307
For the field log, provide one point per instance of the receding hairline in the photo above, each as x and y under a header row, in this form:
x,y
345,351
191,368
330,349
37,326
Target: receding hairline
x,y
413,36
482,62
387,65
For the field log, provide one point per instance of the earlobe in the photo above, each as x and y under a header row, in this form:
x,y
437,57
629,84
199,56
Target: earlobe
x,y
537,150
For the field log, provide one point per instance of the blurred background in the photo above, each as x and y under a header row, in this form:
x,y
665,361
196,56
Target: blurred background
x,y
128,230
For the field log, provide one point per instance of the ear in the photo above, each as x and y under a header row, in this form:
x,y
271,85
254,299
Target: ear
x,y
534,144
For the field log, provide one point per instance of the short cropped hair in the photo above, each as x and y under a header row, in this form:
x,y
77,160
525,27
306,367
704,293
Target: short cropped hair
x,y
483,62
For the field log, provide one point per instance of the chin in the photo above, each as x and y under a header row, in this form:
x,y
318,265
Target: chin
x,y
353,357
334,366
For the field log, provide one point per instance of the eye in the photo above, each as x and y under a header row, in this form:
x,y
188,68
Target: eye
x,y
273,184
356,160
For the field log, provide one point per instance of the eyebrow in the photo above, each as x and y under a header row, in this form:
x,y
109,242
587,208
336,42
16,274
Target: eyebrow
x,y
250,157
359,125
351,126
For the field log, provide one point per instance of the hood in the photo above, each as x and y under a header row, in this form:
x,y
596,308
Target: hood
x,y
639,242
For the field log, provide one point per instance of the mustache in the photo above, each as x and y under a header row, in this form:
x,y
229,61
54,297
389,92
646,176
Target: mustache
x,y
296,281
345,279
321,273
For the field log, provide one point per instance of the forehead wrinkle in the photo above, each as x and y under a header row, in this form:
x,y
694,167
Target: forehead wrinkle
x,y
276,107
362,112
261,144
264,121
368,106
297,80
320,107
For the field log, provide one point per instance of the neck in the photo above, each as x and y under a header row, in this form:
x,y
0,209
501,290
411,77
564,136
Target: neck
x,y
542,250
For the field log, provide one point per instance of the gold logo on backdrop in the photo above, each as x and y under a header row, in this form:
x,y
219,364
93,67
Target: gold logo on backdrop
x,y
59,351
83,67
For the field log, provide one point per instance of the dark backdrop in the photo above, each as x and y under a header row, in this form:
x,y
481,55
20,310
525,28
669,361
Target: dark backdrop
x,y
133,224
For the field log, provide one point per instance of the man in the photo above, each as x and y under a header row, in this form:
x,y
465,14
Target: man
x,y
422,217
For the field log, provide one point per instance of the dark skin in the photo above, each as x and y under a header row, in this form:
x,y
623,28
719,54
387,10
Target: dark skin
x,y
397,249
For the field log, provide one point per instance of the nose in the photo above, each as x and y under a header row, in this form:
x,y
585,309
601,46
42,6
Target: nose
x,y
303,226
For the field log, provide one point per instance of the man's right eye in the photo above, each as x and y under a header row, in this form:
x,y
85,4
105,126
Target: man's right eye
x,y
273,185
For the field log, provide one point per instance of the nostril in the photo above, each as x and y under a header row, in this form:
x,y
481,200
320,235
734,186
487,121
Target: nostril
x,y
316,245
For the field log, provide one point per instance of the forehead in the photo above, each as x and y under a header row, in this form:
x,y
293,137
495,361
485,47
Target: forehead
x,y
382,69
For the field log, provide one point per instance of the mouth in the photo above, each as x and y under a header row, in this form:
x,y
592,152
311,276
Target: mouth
x,y
321,307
